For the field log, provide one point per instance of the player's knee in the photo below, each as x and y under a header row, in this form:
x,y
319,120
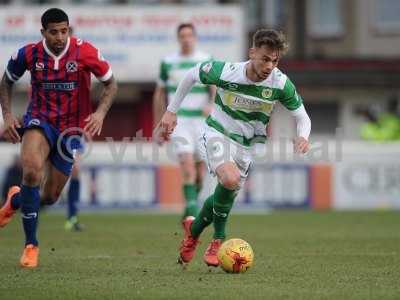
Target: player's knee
x,y
188,176
32,171
188,172
231,180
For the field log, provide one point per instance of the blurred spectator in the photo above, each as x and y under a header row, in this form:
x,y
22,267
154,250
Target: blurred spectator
x,y
384,126
13,176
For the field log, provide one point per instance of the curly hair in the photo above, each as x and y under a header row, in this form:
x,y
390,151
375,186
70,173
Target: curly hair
x,y
271,38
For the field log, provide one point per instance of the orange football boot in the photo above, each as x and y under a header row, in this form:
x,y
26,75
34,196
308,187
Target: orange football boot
x,y
30,256
7,212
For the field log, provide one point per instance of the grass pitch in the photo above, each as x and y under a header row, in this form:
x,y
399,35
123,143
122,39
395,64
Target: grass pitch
x,y
298,255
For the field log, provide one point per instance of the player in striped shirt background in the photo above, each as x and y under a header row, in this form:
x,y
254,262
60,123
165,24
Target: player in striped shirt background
x,y
246,94
191,115
59,112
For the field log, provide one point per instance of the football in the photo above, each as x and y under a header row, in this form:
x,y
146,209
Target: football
x,y
235,256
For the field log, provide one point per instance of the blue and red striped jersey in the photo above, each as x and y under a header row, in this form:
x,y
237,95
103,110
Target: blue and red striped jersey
x,y
60,85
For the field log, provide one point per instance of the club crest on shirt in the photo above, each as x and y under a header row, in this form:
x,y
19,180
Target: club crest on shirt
x,y
232,86
71,66
266,93
39,66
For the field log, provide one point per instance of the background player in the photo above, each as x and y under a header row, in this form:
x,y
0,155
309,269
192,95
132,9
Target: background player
x,y
244,101
74,188
191,114
73,196
59,111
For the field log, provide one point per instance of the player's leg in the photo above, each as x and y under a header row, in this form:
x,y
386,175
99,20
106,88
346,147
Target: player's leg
x,y
53,185
216,151
188,169
184,146
215,209
61,161
34,153
229,162
72,222
217,206
224,195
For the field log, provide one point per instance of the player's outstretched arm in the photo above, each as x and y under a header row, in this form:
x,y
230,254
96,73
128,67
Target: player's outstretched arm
x,y
159,104
303,124
10,122
95,120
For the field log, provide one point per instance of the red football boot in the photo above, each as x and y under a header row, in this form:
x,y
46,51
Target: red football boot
x,y
188,244
210,256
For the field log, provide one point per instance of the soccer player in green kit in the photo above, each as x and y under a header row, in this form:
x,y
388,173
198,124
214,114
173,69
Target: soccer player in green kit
x,y
192,113
246,94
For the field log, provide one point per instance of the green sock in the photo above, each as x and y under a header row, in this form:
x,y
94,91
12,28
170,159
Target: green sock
x,y
204,218
223,202
190,193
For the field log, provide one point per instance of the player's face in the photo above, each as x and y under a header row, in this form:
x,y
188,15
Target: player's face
x,y
56,35
263,61
186,39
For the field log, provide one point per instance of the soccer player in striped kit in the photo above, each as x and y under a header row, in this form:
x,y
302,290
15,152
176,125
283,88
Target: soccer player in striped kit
x,y
246,94
59,111
191,114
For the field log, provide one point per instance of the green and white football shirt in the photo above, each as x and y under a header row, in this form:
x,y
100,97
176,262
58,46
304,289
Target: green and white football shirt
x,y
243,108
172,70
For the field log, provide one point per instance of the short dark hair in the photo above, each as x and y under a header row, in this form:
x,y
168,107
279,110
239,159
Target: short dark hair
x,y
271,38
185,25
54,15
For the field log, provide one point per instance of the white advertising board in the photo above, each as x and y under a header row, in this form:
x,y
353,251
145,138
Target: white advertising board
x,y
367,185
133,39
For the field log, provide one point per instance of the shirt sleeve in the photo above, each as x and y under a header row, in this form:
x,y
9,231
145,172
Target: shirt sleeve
x,y
303,122
289,97
97,64
17,65
163,75
210,72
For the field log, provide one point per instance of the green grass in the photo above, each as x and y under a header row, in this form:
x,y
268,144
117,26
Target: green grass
x,y
298,255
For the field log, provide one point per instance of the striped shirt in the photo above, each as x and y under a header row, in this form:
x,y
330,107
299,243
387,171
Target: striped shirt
x,y
60,85
173,68
243,108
